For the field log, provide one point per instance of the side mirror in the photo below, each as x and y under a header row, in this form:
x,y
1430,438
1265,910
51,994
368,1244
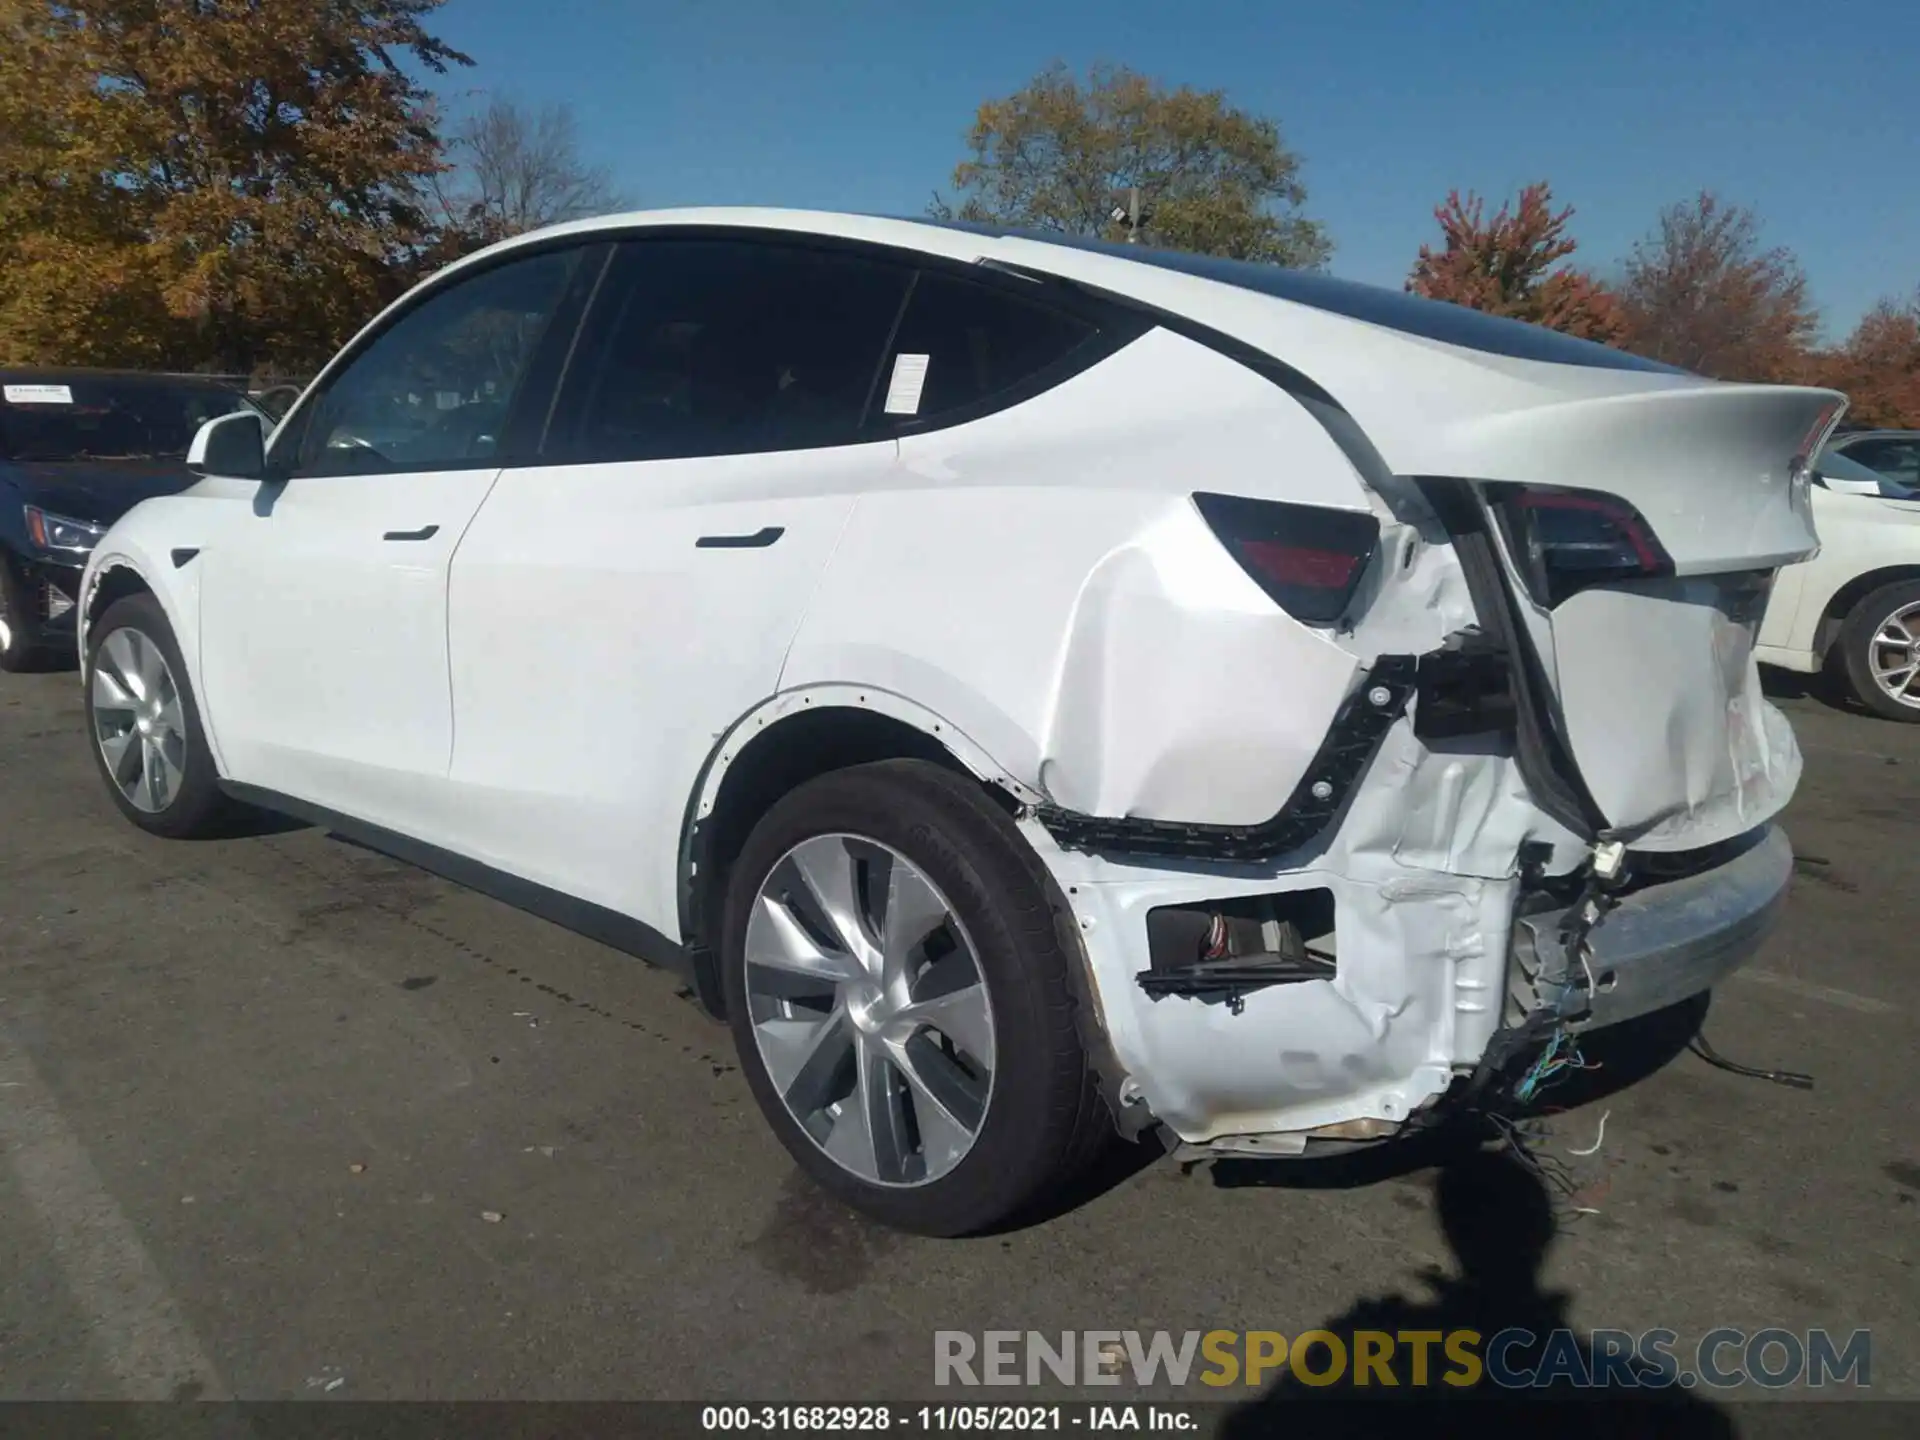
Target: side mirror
x,y
232,445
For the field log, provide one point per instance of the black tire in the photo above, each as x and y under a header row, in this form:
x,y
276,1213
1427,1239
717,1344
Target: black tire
x,y
21,650
1855,649
1045,1119
198,808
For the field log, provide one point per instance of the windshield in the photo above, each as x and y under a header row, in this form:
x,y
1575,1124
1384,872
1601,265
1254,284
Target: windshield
x,y
1841,473
107,417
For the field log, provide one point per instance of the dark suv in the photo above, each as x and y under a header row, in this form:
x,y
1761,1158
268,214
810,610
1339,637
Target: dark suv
x,y
78,449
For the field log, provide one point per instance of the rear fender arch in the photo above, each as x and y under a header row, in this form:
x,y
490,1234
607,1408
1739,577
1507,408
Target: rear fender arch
x,y
877,723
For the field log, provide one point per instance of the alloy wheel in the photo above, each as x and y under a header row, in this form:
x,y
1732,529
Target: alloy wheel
x,y
138,721
1893,656
870,1010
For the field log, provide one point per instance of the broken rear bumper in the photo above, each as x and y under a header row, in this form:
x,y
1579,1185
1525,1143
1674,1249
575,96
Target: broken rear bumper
x,y
1661,943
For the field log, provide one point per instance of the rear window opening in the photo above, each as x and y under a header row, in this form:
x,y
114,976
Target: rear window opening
x,y
1217,951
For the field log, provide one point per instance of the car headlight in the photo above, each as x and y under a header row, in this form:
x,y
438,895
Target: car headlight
x,y
58,532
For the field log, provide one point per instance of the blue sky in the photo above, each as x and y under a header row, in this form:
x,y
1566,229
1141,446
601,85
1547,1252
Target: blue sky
x,y
1808,113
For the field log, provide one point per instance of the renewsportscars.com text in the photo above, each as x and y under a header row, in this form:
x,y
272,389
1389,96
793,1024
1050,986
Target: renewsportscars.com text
x,y
1462,1359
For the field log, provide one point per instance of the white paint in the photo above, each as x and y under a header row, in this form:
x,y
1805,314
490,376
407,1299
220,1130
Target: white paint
x,y
134,1325
324,645
38,394
903,390
559,680
1859,534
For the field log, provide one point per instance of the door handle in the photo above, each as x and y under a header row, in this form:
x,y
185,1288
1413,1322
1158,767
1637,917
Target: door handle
x,y
759,540
425,532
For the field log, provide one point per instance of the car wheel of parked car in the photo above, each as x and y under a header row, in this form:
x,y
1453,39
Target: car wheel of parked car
x,y
900,1000
146,729
1880,650
19,632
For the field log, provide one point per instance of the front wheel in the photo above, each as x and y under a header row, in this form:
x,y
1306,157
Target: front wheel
x,y
145,728
901,1002
1879,651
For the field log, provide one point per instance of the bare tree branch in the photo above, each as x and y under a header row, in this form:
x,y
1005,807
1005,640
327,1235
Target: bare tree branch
x,y
515,170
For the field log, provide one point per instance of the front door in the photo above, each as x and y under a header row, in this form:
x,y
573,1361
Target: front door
x,y
323,615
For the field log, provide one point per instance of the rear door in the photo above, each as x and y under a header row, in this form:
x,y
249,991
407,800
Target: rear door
x,y
618,605
323,619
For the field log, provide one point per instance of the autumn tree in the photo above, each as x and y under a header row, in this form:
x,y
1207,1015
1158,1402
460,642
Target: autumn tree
x,y
1211,178
1512,265
1702,293
515,170
208,183
1878,366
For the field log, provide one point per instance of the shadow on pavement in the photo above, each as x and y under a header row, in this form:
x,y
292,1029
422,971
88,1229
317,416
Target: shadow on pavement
x,y
1498,1221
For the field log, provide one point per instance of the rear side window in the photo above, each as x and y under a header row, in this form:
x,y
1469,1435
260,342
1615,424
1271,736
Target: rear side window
x,y
979,346
723,347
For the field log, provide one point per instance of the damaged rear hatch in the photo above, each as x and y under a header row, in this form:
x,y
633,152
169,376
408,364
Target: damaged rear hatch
x,y
1637,535
1630,517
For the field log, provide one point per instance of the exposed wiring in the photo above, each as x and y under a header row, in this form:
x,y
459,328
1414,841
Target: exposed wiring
x,y
1598,1140
1216,946
1791,1078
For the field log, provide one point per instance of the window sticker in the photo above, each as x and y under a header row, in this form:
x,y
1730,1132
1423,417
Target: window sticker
x,y
909,379
63,395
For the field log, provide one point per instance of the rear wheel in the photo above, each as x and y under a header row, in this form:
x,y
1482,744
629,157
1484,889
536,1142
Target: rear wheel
x,y
1879,651
145,726
900,1000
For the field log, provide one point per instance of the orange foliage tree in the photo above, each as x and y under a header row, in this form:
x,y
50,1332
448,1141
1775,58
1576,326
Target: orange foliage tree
x,y
1512,265
1702,293
209,183
1878,366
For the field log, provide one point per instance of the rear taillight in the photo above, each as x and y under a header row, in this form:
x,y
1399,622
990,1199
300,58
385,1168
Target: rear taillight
x,y
1309,560
1564,541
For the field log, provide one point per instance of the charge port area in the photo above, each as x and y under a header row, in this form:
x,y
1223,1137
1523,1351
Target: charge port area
x,y
1217,951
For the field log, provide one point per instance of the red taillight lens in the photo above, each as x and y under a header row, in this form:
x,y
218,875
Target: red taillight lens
x,y
1308,559
1564,541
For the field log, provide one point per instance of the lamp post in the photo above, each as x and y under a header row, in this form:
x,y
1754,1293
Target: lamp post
x,y
1127,211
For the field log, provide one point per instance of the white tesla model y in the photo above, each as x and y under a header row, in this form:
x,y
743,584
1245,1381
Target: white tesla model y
x,y
1031,688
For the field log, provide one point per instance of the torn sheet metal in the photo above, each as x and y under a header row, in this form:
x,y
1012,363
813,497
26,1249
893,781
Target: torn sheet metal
x,y
1421,970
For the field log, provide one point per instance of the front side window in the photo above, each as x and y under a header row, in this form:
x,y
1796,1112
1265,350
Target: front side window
x,y
969,344
724,347
433,390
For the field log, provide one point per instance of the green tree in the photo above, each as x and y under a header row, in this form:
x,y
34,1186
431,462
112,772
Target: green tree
x,y
1512,265
232,184
1212,178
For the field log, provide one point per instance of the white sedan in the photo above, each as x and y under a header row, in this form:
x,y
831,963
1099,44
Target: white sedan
x,y
1032,689
1854,609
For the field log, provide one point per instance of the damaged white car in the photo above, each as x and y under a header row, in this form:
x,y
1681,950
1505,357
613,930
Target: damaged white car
x,y
1029,688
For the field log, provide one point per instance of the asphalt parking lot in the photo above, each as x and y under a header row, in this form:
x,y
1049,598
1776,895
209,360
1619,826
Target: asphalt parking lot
x,y
283,1119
